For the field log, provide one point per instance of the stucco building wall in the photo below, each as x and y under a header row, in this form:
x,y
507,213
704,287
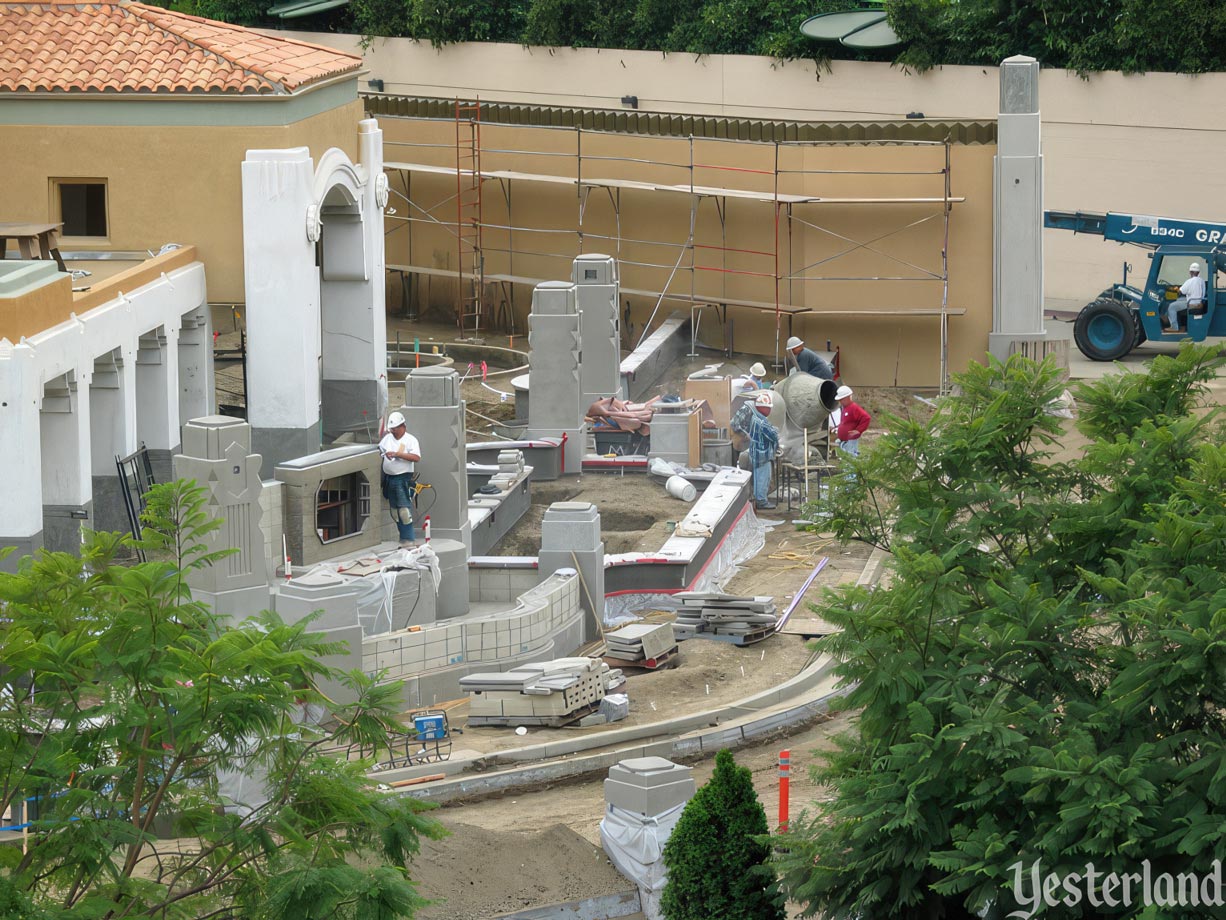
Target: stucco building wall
x,y
905,239
1147,144
166,181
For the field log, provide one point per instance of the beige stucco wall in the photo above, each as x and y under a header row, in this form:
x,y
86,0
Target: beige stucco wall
x,y
1147,144
905,239
165,183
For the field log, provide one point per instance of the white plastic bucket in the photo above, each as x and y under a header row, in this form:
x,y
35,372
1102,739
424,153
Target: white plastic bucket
x,y
680,487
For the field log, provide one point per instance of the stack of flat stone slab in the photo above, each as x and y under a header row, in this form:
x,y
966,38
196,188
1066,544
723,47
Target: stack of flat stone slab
x,y
724,617
551,693
642,645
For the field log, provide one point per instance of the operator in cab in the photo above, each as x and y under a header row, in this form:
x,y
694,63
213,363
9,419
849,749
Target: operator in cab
x,y
1191,298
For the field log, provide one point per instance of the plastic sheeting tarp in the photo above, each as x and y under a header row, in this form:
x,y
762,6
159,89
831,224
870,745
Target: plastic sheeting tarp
x,y
746,539
635,845
376,579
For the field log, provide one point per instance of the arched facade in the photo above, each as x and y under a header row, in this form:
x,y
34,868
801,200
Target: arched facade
x,y
314,278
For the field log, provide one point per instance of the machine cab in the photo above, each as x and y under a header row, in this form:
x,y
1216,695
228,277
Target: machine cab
x,y
1169,270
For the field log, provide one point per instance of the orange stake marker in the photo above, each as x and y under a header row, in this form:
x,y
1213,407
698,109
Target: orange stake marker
x,y
785,775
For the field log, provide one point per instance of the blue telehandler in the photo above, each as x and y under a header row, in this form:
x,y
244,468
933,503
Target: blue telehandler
x,y
1123,316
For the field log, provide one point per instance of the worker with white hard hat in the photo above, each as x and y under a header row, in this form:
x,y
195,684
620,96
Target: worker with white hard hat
x,y
853,422
751,421
808,361
1191,298
400,452
754,380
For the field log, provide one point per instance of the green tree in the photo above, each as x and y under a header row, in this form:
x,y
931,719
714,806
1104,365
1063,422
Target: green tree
x,y
121,702
1041,677
715,855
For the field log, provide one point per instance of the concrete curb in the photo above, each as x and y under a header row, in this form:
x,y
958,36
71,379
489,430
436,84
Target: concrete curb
x,y
676,742
599,908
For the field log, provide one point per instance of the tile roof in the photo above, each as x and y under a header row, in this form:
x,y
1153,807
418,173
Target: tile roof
x,y
116,46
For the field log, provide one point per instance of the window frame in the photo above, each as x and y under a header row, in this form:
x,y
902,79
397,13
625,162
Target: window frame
x,y
57,207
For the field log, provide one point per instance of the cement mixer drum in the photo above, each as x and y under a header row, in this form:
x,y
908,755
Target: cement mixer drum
x,y
809,400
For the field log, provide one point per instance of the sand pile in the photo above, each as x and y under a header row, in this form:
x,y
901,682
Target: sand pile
x,y
477,873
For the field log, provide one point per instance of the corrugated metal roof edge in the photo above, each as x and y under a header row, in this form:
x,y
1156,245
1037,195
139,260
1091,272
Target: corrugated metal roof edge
x,y
668,125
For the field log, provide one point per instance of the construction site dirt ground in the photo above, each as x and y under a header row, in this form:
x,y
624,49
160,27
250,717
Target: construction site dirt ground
x,y
518,851
541,847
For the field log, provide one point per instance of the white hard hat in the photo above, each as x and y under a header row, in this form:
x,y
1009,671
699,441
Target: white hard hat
x,y
1194,267
395,420
763,399
794,341
843,392
758,369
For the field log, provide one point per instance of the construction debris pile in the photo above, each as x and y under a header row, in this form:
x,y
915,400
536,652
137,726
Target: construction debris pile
x,y
724,617
642,645
551,693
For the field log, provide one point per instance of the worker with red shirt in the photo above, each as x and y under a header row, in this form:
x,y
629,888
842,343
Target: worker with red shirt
x,y
853,422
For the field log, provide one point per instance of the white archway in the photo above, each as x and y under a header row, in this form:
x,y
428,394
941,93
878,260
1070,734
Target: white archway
x,y
314,266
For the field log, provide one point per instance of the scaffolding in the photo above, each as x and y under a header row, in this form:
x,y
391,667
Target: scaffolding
x,y
470,261
774,265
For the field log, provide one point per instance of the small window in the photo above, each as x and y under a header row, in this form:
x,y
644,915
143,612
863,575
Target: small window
x,y
342,506
81,205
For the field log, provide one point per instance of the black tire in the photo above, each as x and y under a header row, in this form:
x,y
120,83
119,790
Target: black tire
x,y
1105,330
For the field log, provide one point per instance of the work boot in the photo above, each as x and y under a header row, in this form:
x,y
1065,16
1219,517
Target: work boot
x,y
766,505
407,544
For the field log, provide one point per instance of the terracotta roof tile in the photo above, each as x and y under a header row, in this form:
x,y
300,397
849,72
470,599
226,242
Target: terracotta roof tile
x,y
120,46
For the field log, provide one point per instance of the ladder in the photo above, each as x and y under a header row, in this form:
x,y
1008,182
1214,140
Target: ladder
x,y
470,266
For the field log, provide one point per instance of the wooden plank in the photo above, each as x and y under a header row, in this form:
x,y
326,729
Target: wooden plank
x,y
696,299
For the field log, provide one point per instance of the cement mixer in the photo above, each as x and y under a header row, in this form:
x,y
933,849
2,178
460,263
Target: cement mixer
x,y
800,402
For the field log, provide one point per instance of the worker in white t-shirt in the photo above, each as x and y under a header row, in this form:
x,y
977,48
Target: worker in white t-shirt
x,y
1191,297
400,452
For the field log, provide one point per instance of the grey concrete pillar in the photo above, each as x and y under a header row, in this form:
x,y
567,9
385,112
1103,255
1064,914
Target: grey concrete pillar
x,y
157,402
336,599
112,433
217,454
453,595
1017,303
556,354
67,485
570,538
434,414
197,396
644,795
21,493
595,280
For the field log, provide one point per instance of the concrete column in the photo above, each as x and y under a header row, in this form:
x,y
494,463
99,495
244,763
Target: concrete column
x,y
217,454
570,538
197,395
1017,304
21,488
595,279
112,433
157,398
434,414
65,450
280,229
375,193
553,335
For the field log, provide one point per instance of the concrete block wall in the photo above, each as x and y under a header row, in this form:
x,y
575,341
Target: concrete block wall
x,y
500,585
444,652
272,523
